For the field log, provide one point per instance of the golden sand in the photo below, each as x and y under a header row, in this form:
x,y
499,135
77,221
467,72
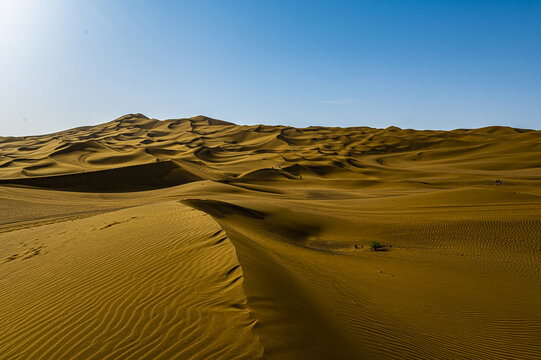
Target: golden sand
x,y
200,239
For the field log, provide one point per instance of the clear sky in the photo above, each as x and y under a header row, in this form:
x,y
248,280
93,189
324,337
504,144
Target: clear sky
x,y
413,64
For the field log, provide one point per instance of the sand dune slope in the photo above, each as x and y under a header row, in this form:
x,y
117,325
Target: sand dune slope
x,y
453,286
152,282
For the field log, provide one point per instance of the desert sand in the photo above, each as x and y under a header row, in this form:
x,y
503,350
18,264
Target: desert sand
x,y
201,239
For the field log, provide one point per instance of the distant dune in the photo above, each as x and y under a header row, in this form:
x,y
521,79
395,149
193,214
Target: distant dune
x,y
197,238
204,148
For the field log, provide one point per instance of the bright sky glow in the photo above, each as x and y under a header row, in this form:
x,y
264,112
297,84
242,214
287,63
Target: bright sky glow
x,y
412,64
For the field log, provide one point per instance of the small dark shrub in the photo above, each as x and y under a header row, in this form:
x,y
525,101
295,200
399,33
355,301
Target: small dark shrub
x,y
375,245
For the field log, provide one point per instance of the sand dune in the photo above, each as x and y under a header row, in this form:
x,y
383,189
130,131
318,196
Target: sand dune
x,y
157,281
197,238
242,151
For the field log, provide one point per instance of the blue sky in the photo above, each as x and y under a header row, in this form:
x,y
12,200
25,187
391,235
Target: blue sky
x,y
412,64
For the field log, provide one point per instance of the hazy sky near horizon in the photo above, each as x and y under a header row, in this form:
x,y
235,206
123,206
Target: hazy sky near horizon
x,y
413,64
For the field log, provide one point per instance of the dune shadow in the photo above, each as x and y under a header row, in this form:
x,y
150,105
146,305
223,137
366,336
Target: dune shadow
x,y
123,179
221,209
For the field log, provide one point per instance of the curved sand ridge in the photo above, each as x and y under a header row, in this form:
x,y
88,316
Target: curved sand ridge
x,y
120,267
151,282
455,284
